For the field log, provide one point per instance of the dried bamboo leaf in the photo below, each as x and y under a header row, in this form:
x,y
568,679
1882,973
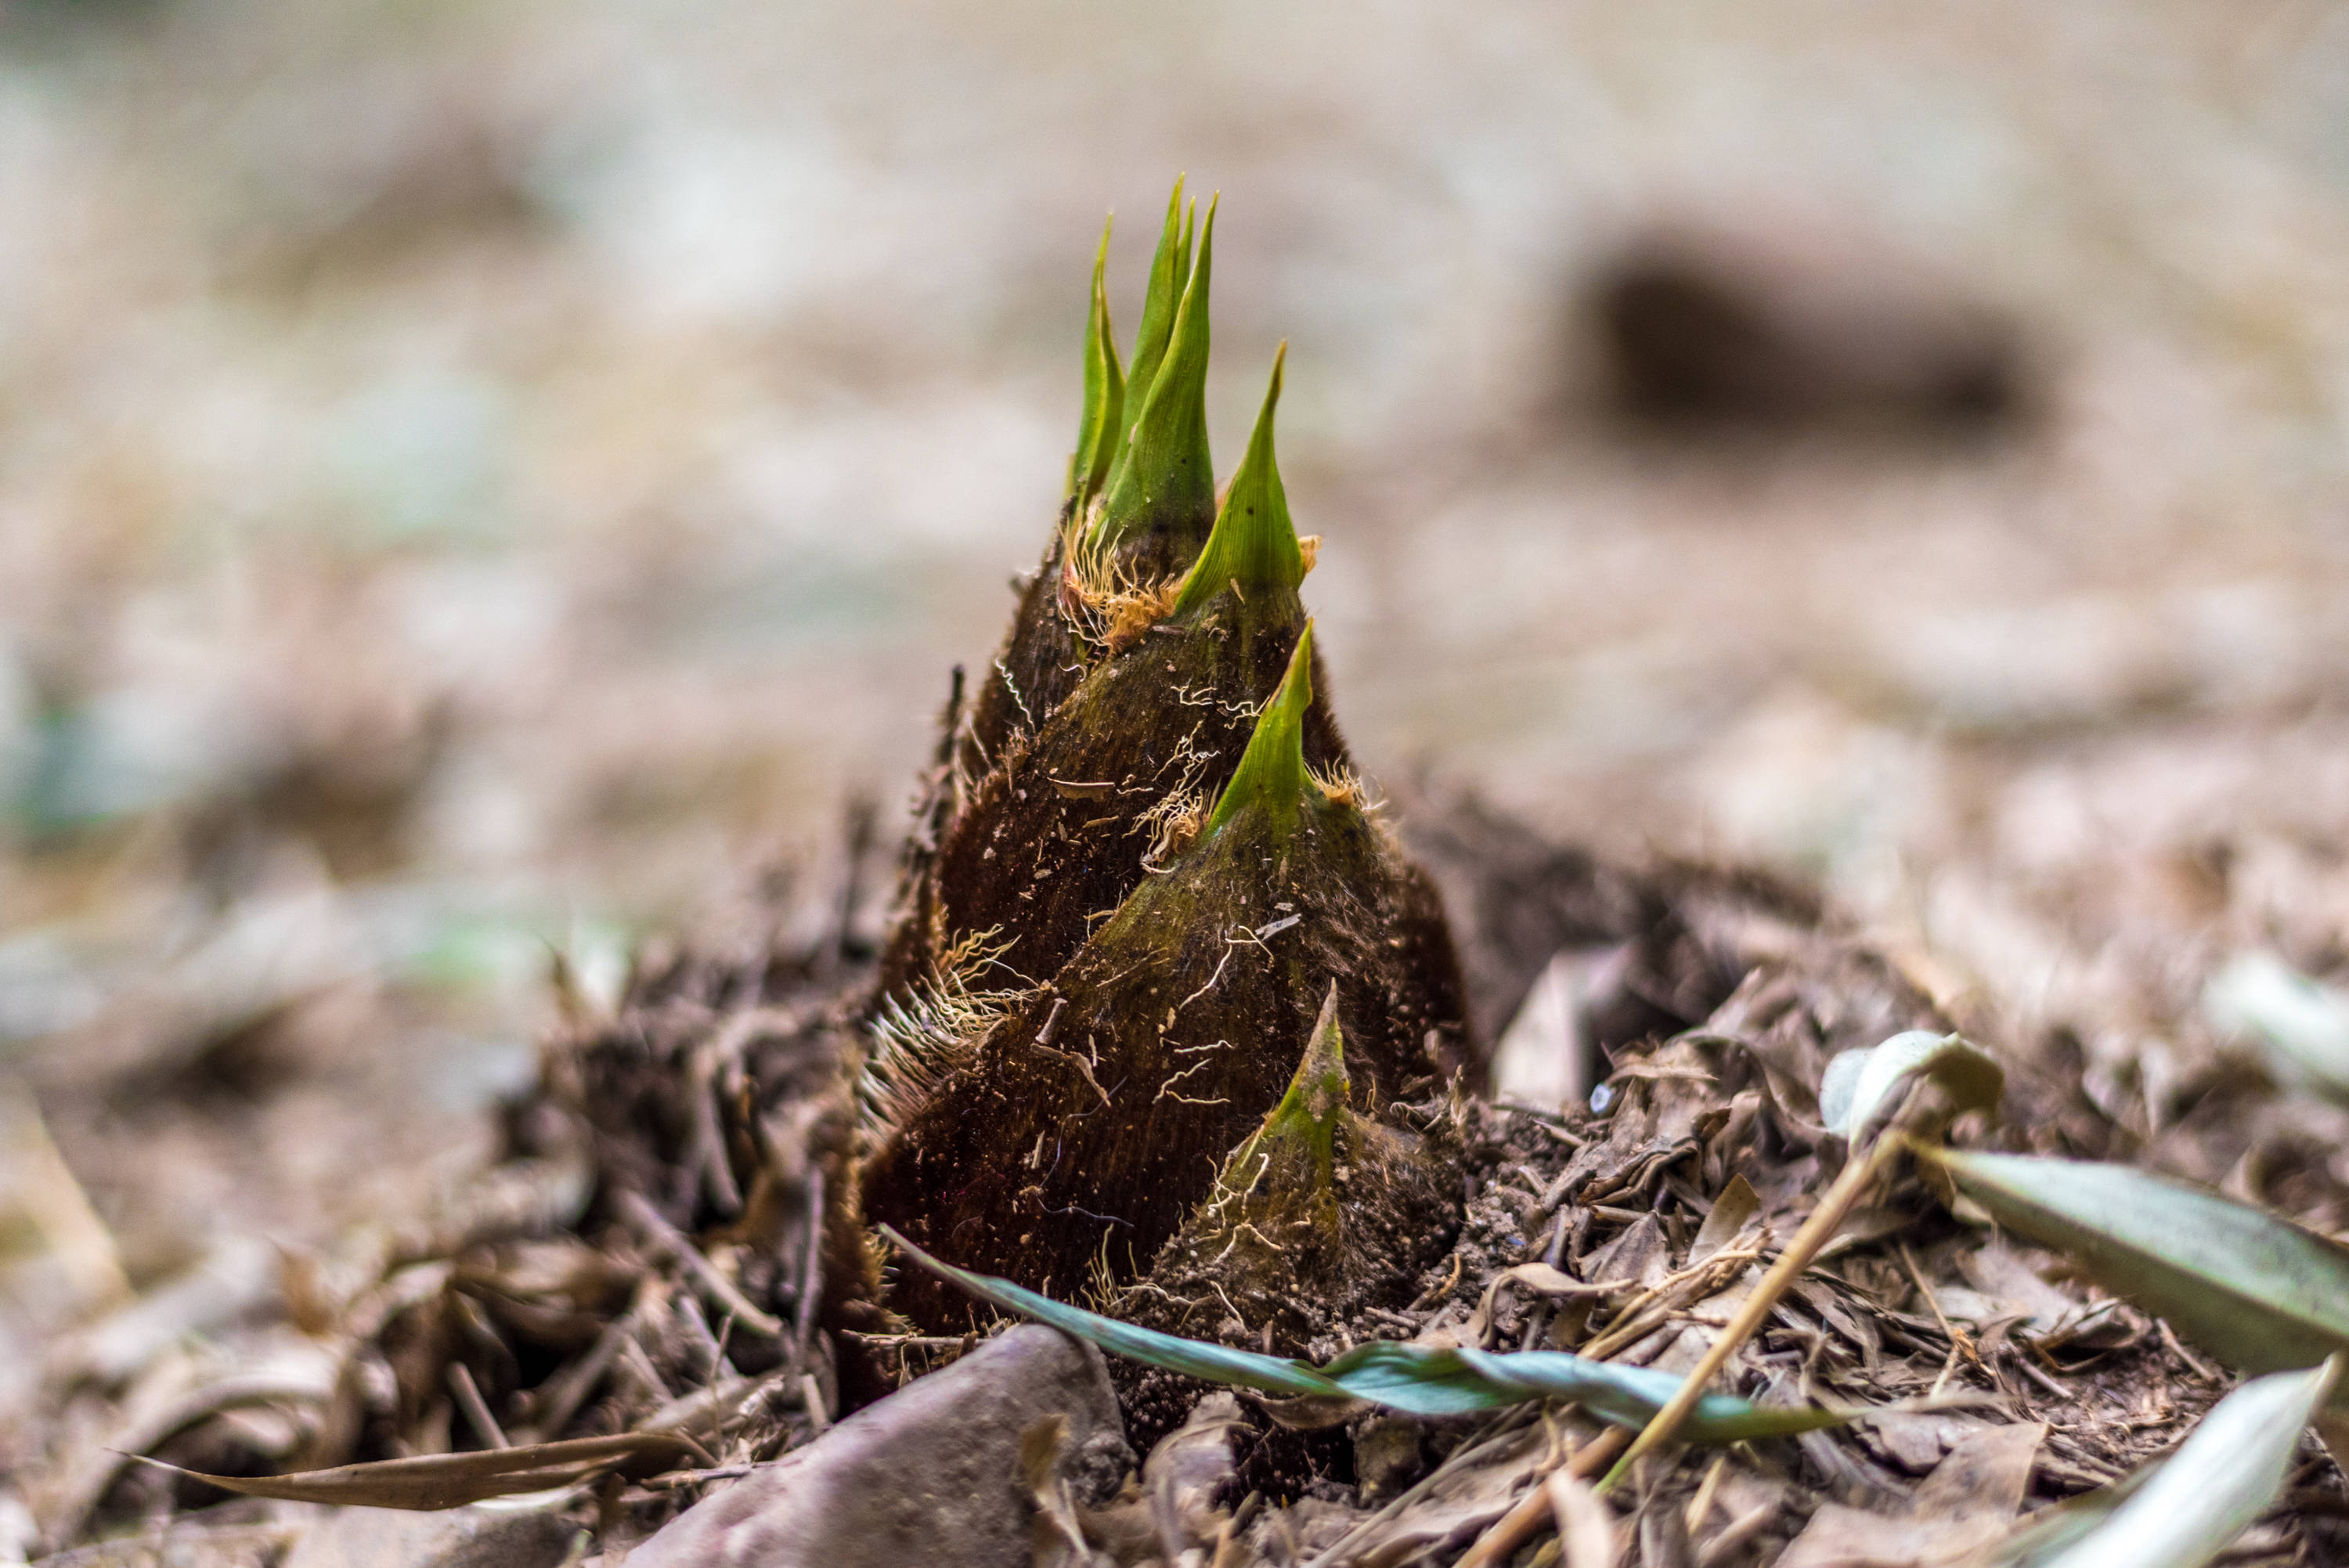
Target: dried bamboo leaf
x,y
451,1481
1737,1203
2258,1291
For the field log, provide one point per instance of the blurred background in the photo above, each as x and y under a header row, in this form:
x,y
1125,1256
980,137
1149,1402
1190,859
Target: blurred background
x,y
479,479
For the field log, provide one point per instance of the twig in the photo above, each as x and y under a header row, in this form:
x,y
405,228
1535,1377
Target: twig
x,y
718,1369
1336,1552
476,1409
1825,1220
572,1387
812,1400
1500,1543
811,1270
723,1292
1702,1504
1586,1531
1734,1536
1960,1340
710,1167
638,1360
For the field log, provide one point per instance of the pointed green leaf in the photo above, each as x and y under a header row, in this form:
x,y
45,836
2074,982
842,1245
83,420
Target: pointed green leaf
x,y
1861,1090
2258,1291
1104,390
1300,1133
2182,1512
1168,479
1417,1379
1253,549
1170,269
1184,259
1271,774
1317,1093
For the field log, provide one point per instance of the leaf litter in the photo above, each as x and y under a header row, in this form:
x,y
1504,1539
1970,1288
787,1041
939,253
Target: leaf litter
x,y
1637,1231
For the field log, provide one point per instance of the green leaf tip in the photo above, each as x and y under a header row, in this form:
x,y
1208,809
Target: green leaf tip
x,y
1318,1093
1170,268
1166,476
1253,549
1097,423
1308,1113
1272,769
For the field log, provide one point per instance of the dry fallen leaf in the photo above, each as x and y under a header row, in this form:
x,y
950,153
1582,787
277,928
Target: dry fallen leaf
x,y
1966,1503
451,1481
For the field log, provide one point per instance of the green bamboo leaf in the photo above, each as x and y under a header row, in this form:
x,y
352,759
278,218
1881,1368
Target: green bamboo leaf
x,y
1166,480
1192,1358
1271,774
1416,1380
2181,1511
2305,1027
1861,1090
1253,550
1426,1381
1097,424
2258,1291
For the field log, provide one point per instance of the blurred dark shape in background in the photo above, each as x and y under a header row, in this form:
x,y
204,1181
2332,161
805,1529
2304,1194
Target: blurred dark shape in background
x,y
1700,326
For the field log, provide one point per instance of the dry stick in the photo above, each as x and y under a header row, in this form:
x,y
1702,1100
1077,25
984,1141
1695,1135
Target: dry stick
x,y
718,1369
572,1387
1702,1504
1227,1537
476,1409
713,1168
1856,1178
1734,1536
1960,1340
1586,1531
1500,1543
721,1290
639,1361
1336,1552
810,1272
812,1401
